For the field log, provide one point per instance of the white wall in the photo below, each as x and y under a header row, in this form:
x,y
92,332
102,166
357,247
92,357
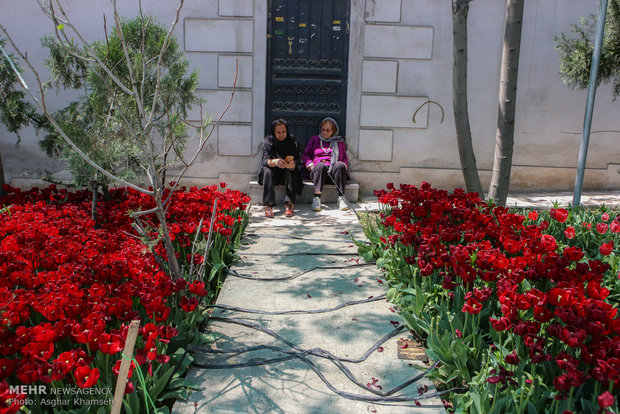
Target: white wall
x,y
215,34
400,57
397,72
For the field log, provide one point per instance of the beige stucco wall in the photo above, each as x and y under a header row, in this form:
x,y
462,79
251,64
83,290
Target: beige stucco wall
x,y
395,41
400,57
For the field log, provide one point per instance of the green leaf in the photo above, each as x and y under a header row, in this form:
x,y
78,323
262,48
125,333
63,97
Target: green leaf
x,y
210,336
417,325
61,26
477,403
368,257
177,394
589,405
131,402
160,383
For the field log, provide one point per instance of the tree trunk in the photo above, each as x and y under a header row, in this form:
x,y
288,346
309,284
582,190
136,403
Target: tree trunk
x,y
504,140
93,207
460,8
2,182
173,263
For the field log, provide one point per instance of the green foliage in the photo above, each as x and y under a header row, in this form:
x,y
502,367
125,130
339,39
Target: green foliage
x,y
576,51
107,122
15,110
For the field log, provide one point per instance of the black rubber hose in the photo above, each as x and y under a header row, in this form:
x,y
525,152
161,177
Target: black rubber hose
x,y
297,311
296,275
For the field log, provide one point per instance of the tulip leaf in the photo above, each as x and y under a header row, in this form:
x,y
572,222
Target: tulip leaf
x,y
131,402
160,383
590,405
477,403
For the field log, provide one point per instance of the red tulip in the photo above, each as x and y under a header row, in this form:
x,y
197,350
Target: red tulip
x,y
601,228
512,358
548,242
605,400
85,377
607,248
559,214
573,253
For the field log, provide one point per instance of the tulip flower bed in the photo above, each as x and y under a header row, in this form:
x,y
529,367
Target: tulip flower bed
x,y
520,307
68,290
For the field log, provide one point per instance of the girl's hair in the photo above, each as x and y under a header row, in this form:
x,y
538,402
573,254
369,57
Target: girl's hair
x,y
275,123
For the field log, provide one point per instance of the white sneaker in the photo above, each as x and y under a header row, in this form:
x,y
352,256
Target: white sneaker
x,y
316,204
342,204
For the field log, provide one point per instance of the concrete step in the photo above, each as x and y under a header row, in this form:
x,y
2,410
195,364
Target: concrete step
x,y
329,195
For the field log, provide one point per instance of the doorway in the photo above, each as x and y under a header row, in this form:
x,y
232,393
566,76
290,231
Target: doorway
x,y
307,64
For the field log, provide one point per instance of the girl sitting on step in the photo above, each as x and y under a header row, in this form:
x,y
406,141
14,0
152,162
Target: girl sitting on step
x,y
281,157
326,159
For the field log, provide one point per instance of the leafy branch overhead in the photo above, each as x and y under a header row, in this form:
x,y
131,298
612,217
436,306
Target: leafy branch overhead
x,y
576,51
106,122
15,110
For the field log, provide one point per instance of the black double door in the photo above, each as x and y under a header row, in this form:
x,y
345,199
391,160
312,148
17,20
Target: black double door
x,y
307,56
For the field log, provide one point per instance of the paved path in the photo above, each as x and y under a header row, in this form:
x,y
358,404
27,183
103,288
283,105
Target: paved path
x,y
539,200
546,200
276,248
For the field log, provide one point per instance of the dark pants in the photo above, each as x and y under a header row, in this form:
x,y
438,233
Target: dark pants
x,y
279,176
319,176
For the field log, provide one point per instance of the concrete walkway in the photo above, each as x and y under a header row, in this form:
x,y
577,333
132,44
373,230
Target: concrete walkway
x,y
291,250
546,200
283,248
538,200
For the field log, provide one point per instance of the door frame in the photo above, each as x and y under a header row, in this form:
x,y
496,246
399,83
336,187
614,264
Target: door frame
x,y
349,4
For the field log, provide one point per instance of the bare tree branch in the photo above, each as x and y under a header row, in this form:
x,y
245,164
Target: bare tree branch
x,y
191,266
208,246
143,212
203,142
65,21
164,46
42,105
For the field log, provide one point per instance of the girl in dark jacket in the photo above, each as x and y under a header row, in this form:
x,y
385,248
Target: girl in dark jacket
x,y
281,157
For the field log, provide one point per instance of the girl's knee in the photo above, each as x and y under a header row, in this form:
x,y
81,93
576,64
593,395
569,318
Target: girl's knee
x,y
340,166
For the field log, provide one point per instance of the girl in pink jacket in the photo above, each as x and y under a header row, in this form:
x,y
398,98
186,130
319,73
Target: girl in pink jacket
x,y
326,159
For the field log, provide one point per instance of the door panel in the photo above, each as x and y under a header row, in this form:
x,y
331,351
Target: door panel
x,y
307,55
